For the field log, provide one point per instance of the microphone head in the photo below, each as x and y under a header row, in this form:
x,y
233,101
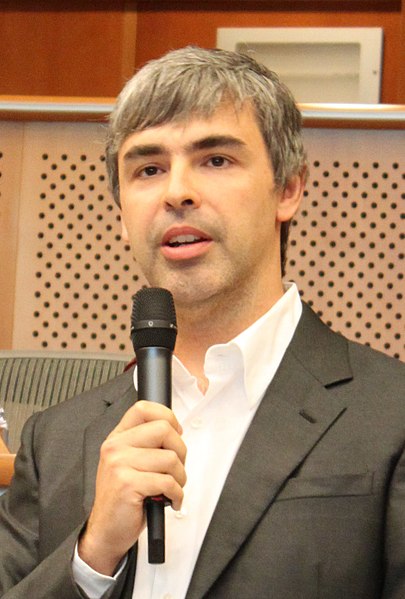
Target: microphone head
x,y
153,319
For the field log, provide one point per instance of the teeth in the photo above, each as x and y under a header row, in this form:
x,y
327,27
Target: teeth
x,y
183,239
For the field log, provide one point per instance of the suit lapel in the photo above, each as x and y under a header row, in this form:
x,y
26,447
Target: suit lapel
x,y
118,400
294,415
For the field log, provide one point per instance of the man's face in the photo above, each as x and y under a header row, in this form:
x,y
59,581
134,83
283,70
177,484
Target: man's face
x,y
200,208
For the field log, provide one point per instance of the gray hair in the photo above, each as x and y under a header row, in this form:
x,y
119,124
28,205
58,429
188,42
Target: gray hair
x,y
194,81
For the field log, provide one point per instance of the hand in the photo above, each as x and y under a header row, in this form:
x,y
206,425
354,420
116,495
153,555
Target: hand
x,y
143,456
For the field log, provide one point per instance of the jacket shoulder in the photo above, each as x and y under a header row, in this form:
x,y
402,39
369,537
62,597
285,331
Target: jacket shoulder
x,y
331,357
78,412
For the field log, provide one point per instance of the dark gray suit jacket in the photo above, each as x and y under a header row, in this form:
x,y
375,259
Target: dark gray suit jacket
x,y
313,507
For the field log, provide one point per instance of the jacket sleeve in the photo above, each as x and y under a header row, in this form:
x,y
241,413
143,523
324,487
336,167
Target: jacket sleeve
x,y
24,572
21,574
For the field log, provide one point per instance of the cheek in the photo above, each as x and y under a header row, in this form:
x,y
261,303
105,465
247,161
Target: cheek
x,y
254,210
133,227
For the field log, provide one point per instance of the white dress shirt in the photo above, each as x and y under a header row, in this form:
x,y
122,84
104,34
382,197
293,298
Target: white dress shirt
x,y
214,425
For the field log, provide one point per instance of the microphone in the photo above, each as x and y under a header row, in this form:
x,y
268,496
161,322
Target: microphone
x,y
153,335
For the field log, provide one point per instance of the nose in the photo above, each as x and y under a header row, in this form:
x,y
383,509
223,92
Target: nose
x,y
181,191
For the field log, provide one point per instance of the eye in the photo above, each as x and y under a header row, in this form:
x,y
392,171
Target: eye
x,y
218,161
148,171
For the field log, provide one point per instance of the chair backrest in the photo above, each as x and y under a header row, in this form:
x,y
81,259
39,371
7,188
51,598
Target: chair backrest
x,y
33,381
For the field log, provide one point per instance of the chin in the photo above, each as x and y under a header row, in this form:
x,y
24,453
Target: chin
x,y
189,294
191,288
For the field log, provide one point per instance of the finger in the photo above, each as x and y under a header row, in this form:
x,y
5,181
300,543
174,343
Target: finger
x,y
153,484
146,411
158,461
154,435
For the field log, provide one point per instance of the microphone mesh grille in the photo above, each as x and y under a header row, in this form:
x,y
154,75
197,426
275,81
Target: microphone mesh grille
x,y
153,304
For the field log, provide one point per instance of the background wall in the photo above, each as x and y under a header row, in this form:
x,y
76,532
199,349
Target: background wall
x,y
160,29
74,276
66,48
86,48
65,276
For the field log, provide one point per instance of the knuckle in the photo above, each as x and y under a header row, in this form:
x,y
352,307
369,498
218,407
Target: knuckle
x,y
108,447
170,486
110,453
140,406
164,428
171,458
183,453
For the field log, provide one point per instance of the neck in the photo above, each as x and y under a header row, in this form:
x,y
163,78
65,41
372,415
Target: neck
x,y
214,322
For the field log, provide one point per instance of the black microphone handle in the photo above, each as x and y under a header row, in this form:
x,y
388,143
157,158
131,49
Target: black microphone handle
x,y
155,374
155,384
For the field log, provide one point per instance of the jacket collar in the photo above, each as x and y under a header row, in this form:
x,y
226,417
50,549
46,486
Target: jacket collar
x,y
295,414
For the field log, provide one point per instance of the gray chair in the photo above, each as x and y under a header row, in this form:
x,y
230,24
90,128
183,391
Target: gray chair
x,y
33,381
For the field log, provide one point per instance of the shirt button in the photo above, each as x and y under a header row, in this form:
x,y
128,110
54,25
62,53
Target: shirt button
x,y
167,596
196,423
181,513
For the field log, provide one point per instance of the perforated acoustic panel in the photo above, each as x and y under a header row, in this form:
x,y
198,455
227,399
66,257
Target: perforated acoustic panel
x,y
75,277
347,242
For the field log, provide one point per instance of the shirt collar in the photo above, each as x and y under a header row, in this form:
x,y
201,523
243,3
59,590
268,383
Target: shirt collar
x,y
255,354
264,343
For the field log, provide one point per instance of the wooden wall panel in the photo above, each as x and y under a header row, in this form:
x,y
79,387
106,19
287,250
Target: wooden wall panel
x,y
11,150
401,52
83,48
160,29
74,51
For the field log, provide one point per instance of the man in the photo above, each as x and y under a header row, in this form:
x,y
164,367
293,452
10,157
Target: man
x,y
294,481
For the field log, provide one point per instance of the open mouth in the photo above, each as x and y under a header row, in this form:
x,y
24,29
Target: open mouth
x,y
185,244
180,240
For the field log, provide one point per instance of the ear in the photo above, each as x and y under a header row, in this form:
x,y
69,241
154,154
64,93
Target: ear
x,y
290,198
124,230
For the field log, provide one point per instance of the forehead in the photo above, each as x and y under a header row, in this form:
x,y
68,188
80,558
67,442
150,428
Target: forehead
x,y
226,120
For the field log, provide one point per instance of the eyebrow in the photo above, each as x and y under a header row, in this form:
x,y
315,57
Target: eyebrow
x,y
205,143
215,141
138,151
